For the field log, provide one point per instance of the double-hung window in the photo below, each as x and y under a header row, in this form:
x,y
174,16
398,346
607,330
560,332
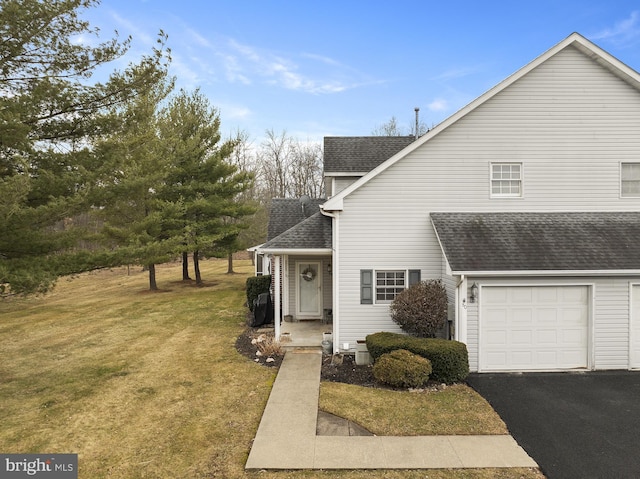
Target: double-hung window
x,y
506,180
389,284
382,286
630,180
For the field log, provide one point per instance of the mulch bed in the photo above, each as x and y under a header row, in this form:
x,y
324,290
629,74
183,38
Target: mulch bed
x,y
337,368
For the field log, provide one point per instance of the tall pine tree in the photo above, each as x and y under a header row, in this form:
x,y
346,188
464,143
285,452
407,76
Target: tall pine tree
x,y
50,115
202,183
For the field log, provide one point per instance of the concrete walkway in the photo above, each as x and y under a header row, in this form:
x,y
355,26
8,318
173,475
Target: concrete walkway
x,y
286,437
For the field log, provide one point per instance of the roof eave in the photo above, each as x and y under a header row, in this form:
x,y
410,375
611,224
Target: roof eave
x,y
554,273
297,251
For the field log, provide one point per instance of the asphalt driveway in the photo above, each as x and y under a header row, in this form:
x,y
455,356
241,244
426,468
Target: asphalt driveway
x,y
574,425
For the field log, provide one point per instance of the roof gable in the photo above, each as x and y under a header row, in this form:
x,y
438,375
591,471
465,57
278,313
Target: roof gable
x,y
575,40
285,213
525,242
360,154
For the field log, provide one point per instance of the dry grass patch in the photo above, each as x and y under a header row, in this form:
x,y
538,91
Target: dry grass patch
x,y
456,409
138,384
146,385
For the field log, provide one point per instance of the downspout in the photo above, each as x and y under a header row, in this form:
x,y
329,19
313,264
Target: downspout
x,y
335,271
461,310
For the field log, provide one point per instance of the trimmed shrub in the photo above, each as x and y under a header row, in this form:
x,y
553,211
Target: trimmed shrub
x,y
256,285
449,359
421,310
402,369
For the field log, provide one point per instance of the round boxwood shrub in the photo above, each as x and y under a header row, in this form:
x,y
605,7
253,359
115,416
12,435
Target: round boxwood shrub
x,y
402,369
421,310
449,359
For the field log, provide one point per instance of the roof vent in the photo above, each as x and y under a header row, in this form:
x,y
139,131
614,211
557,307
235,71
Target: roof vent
x,y
305,201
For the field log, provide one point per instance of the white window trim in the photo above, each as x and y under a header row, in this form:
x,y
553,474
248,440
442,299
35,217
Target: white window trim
x,y
491,180
620,177
375,285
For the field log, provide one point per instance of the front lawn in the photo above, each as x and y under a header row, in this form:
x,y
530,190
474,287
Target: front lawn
x,y
147,385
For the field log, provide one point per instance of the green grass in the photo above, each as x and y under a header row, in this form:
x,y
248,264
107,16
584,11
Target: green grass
x,y
145,385
455,410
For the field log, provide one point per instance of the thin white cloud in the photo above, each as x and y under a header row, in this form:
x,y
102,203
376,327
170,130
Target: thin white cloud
x,y
136,32
247,64
456,73
206,56
438,105
624,32
235,112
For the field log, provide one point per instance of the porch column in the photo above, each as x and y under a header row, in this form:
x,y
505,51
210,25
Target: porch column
x,y
461,311
276,294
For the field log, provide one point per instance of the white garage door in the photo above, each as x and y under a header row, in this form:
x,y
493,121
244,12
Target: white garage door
x,y
533,328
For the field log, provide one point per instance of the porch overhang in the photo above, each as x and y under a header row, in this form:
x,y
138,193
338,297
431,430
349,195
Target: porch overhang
x,y
296,251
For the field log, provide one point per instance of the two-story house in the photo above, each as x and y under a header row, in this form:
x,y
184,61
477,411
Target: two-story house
x,y
525,203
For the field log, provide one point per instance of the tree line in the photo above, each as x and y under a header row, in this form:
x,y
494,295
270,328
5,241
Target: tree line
x,y
144,165
128,170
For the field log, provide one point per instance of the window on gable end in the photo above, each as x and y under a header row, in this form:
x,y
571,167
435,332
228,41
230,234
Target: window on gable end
x,y
630,180
506,180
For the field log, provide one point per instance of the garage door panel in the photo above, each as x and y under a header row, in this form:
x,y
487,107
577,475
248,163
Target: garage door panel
x,y
546,315
520,315
546,337
547,295
547,359
521,295
494,296
545,328
522,337
497,338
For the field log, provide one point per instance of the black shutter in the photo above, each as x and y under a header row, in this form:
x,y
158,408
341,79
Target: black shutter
x,y
414,276
366,286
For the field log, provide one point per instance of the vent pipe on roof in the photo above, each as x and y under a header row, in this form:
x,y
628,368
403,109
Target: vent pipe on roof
x,y
305,201
417,110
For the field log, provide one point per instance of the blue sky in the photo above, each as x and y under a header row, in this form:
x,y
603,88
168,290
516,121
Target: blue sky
x,y
317,68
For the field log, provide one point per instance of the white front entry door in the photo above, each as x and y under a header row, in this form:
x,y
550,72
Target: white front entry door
x,y
534,328
309,289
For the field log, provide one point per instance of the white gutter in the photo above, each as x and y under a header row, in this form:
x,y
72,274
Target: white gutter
x,y
598,272
300,251
335,280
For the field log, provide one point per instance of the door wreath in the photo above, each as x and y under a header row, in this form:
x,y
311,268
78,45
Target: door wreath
x,y
308,274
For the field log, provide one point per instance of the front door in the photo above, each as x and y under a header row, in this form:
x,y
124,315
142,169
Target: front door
x,y
309,290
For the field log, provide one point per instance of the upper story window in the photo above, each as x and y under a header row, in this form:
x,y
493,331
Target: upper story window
x,y
506,180
630,180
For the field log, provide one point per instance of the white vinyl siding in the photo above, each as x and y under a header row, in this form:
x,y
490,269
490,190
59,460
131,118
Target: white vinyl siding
x,y
569,121
630,180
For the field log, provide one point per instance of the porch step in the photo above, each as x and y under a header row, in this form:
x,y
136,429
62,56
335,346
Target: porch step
x,y
301,349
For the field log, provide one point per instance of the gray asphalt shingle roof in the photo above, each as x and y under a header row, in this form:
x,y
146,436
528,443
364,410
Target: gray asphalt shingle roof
x,y
360,154
311,233
287,212
539,241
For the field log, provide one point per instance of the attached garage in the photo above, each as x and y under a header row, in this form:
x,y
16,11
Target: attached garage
x,y
544,291
534,328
